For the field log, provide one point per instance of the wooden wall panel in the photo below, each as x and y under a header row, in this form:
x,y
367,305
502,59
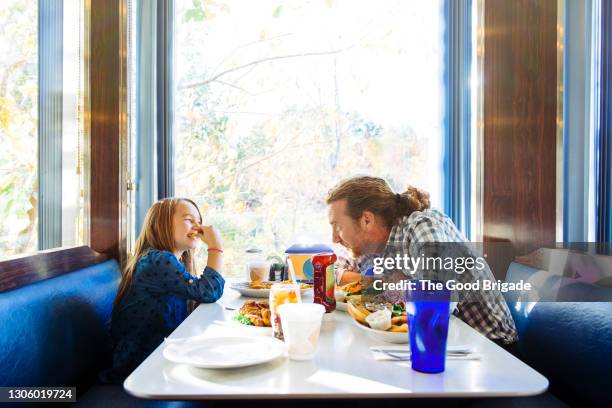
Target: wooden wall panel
x,y
19,272
107,65
519,138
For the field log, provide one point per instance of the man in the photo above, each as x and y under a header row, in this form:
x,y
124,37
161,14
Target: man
x,y
347,266
372,221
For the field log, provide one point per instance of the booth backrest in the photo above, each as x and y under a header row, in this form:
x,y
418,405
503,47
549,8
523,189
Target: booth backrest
x,y
55,332
569,340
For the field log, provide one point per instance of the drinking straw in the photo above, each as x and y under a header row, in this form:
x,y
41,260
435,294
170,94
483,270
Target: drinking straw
x,y
291,271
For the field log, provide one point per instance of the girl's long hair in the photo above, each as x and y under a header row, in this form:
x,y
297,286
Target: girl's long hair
x,y
157,232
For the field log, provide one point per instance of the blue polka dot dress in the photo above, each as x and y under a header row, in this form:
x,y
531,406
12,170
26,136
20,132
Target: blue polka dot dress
x,y
153,307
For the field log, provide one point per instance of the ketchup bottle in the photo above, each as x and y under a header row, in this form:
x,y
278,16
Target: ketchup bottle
x,y
324,280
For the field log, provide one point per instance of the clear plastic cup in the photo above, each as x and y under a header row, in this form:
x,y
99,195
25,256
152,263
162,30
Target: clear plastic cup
x,y
301,327
281,293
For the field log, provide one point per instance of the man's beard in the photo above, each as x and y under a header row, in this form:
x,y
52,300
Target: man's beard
x,y
364,248
353,252
356,253
357,250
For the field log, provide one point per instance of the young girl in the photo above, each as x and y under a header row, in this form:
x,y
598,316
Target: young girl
x,y
158,280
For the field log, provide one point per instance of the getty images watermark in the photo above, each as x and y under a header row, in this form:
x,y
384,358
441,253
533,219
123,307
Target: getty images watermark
x,y
459,265
451,284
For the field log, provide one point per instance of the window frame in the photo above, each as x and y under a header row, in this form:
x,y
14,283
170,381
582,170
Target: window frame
x,y
105,126
154,93
50,121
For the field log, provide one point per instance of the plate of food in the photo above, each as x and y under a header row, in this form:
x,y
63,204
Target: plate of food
x,y
384,322
256,315
262,289
347,292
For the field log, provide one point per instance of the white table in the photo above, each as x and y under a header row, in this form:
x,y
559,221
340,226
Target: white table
x,y
344,367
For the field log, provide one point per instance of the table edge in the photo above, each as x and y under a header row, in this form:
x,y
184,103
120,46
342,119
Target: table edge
x,y
377,396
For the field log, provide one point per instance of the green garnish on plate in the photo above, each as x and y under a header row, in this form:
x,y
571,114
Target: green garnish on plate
x,y
243,319
397,310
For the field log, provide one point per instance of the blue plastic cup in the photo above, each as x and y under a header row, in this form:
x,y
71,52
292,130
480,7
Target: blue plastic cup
x,y
428,316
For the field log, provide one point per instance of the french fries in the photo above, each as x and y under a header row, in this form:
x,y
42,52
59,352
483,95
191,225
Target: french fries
x,y
356,298
399,329
359,312
399,320
268,285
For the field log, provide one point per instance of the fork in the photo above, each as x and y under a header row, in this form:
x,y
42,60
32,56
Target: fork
x,y
406,350
454,355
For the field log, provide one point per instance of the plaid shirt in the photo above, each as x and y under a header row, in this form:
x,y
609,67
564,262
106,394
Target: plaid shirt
x,y
485,311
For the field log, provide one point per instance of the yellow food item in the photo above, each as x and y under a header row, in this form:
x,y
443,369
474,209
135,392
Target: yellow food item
x,y
398,320
399,329
357,311
356,298
265,317
352,287
268,285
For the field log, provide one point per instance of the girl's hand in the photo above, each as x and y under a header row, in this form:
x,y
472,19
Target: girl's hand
x,y
210,236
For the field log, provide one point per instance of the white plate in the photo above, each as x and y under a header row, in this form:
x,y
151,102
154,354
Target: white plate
x,y
224,352
342,306
402,338
389,337
246,291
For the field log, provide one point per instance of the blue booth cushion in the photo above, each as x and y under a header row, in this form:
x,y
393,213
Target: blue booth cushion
x,y
55,332
568,340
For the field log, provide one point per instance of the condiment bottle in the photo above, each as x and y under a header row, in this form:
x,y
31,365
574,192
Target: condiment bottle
x,y
324,280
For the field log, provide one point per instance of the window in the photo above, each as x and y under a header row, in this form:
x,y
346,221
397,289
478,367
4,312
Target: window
x,y
41,173
277,101
18,127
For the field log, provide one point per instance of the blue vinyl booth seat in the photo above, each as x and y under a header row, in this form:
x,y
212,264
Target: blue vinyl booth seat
x,y
55,332
569,341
